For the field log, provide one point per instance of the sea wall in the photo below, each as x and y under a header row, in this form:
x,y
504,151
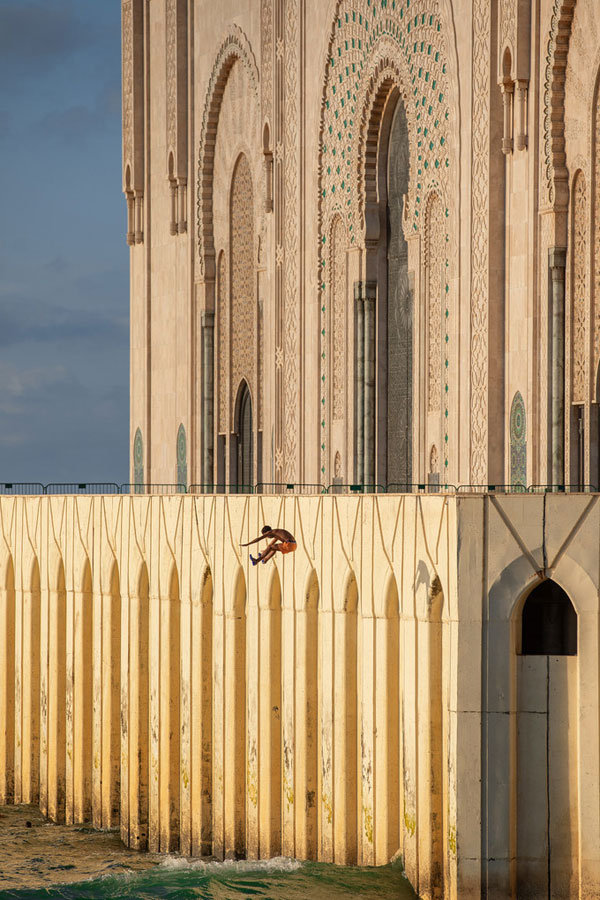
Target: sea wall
x,y
364,696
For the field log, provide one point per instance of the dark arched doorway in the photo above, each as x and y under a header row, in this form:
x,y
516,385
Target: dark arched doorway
x,y
244,440
546,735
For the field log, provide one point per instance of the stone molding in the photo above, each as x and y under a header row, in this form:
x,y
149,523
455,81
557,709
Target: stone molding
x,y
480,168
234,47
554,187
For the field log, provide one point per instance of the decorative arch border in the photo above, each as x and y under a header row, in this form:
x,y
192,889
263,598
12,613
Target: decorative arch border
x,y
235,46
553,140
390,53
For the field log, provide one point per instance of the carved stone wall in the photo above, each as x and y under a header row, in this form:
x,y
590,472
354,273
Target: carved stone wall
x,y
292,311
339,303
579,287
434,268
480,170
243,303
176,78
223,343
234,49
373,48
176,66
596,239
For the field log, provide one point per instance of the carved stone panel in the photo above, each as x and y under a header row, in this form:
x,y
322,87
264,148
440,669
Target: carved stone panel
x,y
579,286
338,295
434,267
242,257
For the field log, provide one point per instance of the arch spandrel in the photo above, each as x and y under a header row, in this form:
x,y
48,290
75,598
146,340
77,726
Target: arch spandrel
x,y
235,47
372,53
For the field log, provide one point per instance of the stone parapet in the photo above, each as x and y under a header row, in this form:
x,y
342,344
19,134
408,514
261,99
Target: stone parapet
x,y
361,697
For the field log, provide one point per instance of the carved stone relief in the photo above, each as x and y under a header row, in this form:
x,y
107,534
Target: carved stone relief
x,y
223,341
292,302
235,47
242,326
480,171
596,236
553,184
376,47
434,267
338,295
579,287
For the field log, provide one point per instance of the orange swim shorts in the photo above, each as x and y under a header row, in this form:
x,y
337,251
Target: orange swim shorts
x,y
287,546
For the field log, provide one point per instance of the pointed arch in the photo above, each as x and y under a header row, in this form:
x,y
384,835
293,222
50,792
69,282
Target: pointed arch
x,y
234,47
553,110
244,434
235,712
57,689
81,723
345,715
138,735
7,681
202,716
170,690
111,699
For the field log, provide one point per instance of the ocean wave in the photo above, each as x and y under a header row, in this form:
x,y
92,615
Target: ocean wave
x,y
229,866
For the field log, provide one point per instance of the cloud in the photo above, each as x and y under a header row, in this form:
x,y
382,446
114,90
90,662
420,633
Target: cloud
x,y
36,35
76,124
54,428
25,319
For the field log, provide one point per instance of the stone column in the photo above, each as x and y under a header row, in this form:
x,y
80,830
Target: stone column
x,y
364,294
208,331
359,363
557,262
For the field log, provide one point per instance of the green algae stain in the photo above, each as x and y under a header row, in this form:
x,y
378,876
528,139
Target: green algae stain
x,y
452,839
410,823
288,792
368,823
328,807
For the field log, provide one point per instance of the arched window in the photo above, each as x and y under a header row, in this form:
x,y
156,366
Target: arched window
x,y
138,462
181,459
245,440
548,622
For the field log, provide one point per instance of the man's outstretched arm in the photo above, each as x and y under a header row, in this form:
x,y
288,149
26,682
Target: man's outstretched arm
x,y
261,537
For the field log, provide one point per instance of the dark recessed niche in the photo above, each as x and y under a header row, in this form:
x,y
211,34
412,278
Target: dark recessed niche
x,y
549,622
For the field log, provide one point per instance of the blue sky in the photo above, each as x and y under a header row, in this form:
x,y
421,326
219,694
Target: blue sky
x,y
64,263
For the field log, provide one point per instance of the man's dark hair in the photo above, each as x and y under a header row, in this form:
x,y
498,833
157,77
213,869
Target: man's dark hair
x,y
265,528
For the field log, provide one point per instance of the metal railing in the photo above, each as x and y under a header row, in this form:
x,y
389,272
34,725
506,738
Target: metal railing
x,y
36,488
281,487
150,489
219,488
338,488
82,487
491,489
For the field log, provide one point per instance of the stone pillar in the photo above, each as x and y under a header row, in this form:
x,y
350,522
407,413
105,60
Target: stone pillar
x,y
370,381
557,262
359,368
366,402
208,331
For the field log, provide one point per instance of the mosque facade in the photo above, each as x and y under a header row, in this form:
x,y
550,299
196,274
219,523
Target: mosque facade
x,y
363,238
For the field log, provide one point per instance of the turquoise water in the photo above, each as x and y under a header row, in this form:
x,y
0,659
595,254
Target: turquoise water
x,y
277,879
39,859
